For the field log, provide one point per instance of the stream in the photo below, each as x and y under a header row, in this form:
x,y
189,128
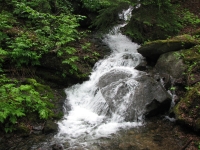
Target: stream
x,y
89,118
91,123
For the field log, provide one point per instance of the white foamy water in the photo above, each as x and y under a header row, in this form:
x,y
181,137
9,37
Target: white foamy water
x,y
89,117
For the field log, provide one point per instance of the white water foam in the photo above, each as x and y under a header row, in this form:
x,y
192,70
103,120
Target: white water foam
x,y
89,117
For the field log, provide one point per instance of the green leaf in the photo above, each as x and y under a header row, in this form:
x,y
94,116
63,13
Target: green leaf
x,y
13,119
43,113
25,87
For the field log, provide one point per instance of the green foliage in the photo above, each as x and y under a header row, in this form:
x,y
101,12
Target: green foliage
x,y
105,23
189,18
173,88
23,51
191,58
198,145
6,19
153,20
188,109
6,22
72,62
86,46
42,32
3,55
21,99
94,5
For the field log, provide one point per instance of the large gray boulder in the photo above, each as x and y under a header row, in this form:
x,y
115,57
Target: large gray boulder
x,y
133,96
170,63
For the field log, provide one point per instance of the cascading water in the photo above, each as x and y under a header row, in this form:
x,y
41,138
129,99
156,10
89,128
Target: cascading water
x,y
91,115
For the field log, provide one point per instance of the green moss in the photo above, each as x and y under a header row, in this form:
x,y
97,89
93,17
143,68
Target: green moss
x,y
192,54
182,38
187,110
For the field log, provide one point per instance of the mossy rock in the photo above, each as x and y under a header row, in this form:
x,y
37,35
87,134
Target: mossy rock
x,y
191,58
152,50
187,111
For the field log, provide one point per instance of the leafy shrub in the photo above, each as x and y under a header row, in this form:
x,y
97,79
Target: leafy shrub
x,y
95,5
21,99
42,33
153,20
189,18
105,23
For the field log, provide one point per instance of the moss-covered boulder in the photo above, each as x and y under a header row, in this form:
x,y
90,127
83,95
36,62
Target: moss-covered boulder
x,y
152,50
187,111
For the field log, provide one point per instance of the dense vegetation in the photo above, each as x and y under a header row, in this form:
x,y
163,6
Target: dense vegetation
x,y
151,19
30,30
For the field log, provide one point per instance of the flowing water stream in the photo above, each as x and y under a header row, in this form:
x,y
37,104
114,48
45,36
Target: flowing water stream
x,y
88,117
93,123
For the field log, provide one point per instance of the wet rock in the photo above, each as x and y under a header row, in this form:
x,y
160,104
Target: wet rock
x,y
167,81
66,144
38,128
112,76
37,132
50,127
153,50
141,66
132,96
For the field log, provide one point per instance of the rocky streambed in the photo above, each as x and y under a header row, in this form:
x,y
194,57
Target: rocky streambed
x,y
157,133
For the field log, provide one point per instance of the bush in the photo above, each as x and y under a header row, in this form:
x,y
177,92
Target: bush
x,y
42,33
153,20
22,99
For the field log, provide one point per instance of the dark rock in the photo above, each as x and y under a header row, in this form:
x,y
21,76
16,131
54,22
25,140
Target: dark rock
x,y
38,128
50,127
141,66
166,78
157,77
36,132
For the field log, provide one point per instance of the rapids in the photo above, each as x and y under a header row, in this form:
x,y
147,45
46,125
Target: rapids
x,y
89,117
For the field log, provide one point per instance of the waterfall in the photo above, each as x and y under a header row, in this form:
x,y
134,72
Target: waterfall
x,y
90,116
